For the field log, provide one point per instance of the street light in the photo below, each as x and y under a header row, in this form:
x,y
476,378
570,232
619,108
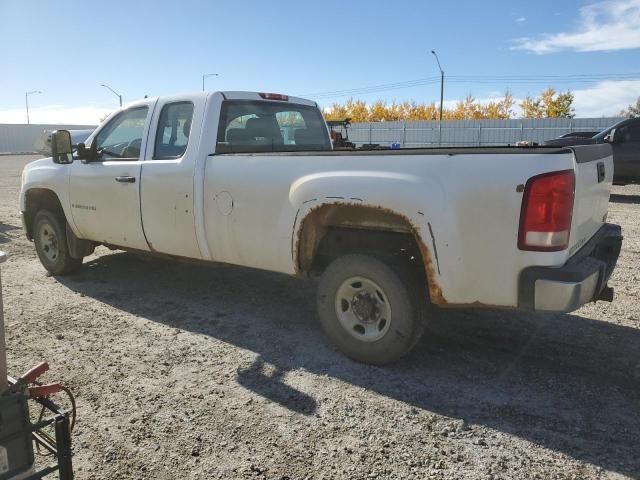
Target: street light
x,y
113,91
441,93
206,75
26,101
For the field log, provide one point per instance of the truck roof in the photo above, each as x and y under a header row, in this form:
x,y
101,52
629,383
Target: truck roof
x,y
240,95
226,94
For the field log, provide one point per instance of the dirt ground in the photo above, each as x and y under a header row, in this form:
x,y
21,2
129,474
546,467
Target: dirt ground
x,y
192,372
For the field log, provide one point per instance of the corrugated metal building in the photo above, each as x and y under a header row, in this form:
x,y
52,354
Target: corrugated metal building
x,y
472,132
21,138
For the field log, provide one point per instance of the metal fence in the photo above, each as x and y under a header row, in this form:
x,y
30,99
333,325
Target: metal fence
x,y
21,138
471,132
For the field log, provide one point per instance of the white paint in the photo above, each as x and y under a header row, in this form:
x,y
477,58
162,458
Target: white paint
x,y
470,201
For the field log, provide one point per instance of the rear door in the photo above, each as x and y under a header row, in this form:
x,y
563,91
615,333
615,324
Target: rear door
x,y
105,194
167,192
594,176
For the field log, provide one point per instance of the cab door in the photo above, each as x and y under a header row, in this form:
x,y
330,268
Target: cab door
x,y
167,193
105,194
626,152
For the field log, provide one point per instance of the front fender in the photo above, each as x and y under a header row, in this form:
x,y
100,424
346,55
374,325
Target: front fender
x,y
46,175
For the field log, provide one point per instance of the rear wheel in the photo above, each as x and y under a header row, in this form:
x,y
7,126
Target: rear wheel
x,y
51,243
371,308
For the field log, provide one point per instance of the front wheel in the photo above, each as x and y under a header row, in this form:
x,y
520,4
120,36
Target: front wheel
x,y
371,308
50,237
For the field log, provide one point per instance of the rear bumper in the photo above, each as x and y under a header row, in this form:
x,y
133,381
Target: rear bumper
x,y
581,280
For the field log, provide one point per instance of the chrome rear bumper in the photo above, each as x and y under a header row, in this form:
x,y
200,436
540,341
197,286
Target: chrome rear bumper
x,y
581,280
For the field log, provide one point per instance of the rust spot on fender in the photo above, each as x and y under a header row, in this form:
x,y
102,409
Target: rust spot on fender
x,y
358,215
435,292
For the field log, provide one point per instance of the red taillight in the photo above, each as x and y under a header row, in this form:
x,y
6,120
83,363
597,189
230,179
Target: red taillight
x,y
547,207
274,96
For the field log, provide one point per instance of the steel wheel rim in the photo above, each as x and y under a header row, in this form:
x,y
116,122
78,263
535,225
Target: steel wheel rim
x,y
48,242
363,309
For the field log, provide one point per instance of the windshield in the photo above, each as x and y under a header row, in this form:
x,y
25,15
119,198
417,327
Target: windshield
x,y
607,131
263,126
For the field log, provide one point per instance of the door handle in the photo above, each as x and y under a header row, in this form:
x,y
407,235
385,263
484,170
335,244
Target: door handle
x,y
126,179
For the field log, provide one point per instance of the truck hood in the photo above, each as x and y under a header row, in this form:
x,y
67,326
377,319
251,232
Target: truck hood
x,y
41,162
30,169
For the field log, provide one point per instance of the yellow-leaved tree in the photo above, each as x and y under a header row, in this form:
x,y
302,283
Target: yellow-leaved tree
x,y
549,104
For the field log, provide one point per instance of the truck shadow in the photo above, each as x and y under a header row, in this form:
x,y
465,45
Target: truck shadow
x,y
565,382
5,236
621,198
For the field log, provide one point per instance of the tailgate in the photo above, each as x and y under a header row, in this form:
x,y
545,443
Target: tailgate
x,y
594,177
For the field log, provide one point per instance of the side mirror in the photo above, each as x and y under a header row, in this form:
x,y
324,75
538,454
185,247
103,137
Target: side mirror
x,y
611,136
61,146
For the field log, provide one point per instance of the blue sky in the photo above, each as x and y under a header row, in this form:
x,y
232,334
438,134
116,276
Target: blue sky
x,y
67,48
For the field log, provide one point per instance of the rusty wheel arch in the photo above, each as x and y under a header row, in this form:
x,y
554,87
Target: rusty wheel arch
x,y
365,218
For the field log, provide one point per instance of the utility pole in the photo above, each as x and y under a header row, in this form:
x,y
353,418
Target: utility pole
x,y
206,75
441,94
26,101
113,91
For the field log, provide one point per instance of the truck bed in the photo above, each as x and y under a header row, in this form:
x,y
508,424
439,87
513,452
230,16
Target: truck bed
x,y
488,150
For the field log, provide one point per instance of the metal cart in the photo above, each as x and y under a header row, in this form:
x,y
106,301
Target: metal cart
x,y
50,433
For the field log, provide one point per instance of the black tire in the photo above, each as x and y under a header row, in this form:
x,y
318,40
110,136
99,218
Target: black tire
x,y
49,227
402,289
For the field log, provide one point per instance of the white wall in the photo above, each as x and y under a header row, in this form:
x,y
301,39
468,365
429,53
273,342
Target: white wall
x,y
22,138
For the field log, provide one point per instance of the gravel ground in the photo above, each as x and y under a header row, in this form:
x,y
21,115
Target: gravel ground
x,y
192,372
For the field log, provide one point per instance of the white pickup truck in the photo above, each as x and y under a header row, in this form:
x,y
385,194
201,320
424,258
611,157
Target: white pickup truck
x,y
251,179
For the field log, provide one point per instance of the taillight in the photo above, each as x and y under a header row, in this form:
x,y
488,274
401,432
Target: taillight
x,y
274,96
547,207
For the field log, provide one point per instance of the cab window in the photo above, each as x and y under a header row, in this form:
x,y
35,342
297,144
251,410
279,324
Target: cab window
x,y
174,127
122,137
258,126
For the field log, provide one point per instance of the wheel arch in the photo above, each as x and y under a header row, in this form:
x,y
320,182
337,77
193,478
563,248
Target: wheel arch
x,y
370,227
37,199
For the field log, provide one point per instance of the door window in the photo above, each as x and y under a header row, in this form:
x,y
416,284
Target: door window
x,y
122,137
630,134
174,127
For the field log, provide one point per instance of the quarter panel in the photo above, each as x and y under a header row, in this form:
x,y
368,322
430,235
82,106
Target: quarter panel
x,y
471,202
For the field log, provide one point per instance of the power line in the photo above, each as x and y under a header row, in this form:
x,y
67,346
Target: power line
x,y
576,75
540,79
375,88
479,79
